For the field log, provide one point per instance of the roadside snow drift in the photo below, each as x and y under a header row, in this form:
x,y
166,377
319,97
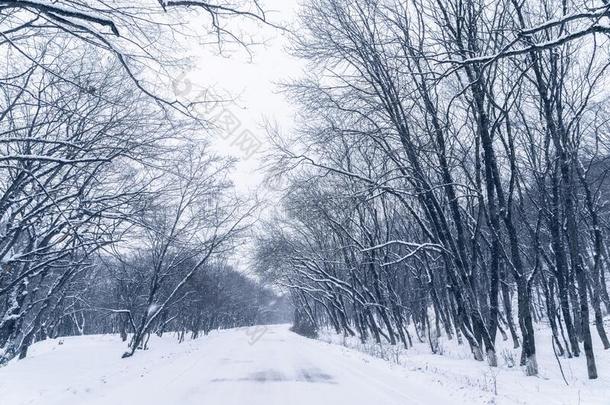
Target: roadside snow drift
x,y
268,366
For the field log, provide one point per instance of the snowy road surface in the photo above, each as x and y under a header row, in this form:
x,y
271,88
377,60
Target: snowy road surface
x,y
241,366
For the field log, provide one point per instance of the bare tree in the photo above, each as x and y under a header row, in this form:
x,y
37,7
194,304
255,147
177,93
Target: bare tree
x,y
447,142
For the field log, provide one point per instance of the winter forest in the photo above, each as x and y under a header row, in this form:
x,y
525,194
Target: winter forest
x,y
304,201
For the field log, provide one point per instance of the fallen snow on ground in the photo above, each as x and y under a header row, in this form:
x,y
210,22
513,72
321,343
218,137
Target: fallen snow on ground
x,y
270,366
471,381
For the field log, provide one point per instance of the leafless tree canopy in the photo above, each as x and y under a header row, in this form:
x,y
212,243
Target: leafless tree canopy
x,y
115,214
447,177
449,172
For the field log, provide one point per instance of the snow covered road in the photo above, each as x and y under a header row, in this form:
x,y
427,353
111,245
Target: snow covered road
x,y
241,366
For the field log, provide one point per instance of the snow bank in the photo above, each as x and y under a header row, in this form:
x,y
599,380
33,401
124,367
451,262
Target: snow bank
x,y
455,370
279,367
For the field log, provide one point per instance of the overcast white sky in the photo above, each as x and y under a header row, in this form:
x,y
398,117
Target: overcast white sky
x,y
251,79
